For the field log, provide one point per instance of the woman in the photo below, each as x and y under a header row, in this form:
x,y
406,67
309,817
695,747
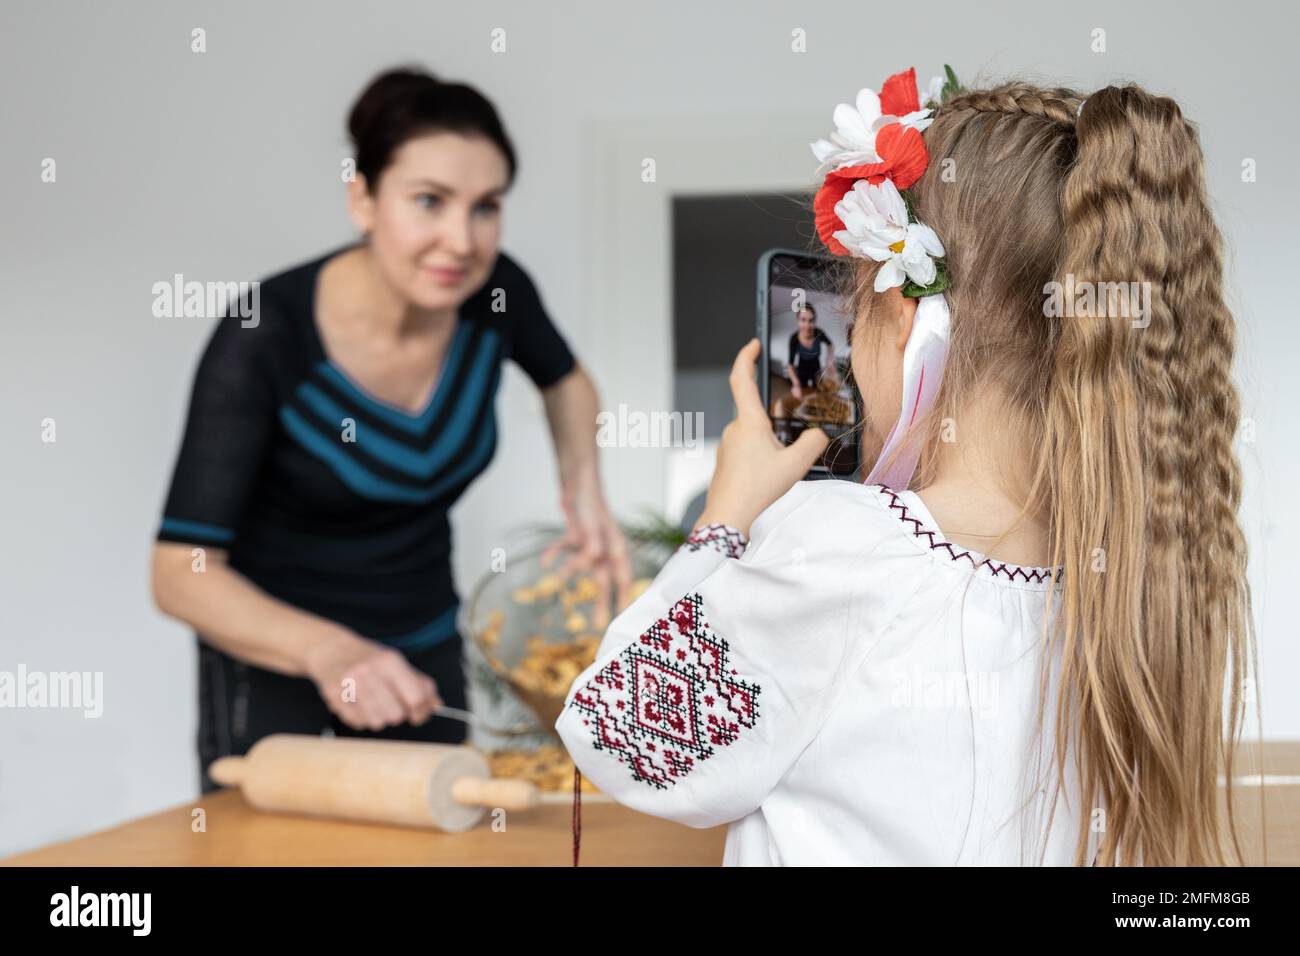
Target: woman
x,y
306,534
805,366
1019,654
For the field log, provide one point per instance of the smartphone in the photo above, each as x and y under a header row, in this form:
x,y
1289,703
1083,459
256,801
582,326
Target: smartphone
x,y
805,376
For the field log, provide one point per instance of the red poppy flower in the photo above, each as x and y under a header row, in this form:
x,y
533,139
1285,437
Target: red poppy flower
x,y
898,95
903,159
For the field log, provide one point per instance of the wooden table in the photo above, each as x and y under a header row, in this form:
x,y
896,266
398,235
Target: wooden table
x,y
238,835
1279,795
612,835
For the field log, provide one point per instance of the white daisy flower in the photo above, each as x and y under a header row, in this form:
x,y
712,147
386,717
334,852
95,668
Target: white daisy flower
x,y
854,140
935,93
876,227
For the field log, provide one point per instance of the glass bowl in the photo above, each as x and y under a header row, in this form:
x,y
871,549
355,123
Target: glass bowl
x,y
532,632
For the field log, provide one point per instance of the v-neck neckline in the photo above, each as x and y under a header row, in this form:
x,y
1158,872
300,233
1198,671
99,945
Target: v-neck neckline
x,y
440,384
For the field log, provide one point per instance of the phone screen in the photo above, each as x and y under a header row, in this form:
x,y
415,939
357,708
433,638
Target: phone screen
x,y
806,380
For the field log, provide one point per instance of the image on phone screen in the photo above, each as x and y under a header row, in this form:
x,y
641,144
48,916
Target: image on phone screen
x,y
806,376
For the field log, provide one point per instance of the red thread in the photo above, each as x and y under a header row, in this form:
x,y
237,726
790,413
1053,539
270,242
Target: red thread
x,y
577,812
916,403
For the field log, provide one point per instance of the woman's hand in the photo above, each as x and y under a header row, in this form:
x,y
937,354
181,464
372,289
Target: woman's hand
x,y
598,544
572,409
795,388
754,469
387,690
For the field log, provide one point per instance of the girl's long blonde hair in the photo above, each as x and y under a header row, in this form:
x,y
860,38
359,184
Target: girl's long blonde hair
x,y
1131,420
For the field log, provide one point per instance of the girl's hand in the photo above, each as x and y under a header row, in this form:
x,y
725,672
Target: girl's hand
x,y
754,469
599,546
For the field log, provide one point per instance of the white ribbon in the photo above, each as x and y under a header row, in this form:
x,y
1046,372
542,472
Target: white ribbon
x,y
923,360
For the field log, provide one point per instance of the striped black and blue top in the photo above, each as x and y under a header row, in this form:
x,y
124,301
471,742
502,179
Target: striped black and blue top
x,y
327,497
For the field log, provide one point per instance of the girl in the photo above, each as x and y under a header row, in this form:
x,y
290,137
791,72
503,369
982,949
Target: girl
x,y
1018,653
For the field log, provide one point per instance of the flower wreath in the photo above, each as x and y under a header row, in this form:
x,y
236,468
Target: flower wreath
x,y
862,208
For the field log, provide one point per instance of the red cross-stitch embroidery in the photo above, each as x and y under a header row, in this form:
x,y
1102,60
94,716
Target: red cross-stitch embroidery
x,y
669,699
729,541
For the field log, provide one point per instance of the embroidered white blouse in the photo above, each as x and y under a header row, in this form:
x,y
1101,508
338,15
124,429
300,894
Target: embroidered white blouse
x,y
852,689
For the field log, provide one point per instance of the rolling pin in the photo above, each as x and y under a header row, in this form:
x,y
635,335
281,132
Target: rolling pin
x,y
382,781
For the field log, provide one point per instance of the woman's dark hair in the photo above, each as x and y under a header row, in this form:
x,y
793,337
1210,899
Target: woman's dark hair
x,y
406,102
807,307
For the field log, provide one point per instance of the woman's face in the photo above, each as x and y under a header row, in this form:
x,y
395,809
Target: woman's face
x,y
807,324
435,219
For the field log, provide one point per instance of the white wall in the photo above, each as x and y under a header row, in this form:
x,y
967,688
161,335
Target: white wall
x,y
226,165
